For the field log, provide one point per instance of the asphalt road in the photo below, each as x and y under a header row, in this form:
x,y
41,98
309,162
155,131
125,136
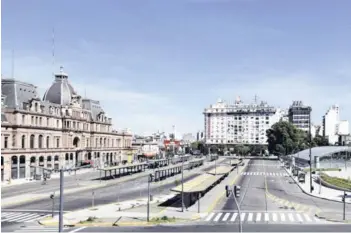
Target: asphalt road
x,y
225,228
36,187
253,195
286,188
128,190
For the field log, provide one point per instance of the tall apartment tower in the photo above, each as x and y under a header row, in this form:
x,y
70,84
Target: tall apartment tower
x,y
299,115
239,123
330,124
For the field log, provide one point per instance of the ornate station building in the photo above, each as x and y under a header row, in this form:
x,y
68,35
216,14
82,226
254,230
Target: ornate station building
x,y
60,130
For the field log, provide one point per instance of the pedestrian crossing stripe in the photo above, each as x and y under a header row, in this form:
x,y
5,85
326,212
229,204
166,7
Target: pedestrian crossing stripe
x,y
38,228
21,216
263,174
261,217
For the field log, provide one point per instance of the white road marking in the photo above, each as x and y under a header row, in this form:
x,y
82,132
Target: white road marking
x,y
209,217
249,217
226,216
282,217
234,217
218,216
258,217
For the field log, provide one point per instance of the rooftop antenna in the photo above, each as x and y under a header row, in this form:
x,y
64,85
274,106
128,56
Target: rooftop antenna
x,y
53,52
256,99
13,64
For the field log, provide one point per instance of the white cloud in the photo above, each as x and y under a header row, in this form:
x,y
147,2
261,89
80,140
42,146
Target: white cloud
x,y
142,112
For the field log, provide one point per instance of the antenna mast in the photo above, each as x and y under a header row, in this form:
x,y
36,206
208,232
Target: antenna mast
x,y
13,64
53,52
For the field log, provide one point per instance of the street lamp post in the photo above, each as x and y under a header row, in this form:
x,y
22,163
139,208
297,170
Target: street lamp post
x,y
183,184
61,201
310,149
150,178
52,196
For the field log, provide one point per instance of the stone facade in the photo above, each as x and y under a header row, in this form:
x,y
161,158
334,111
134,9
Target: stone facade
x,y
62,130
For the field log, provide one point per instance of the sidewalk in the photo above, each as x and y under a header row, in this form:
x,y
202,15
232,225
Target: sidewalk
x,y
134,212
5,184
319,191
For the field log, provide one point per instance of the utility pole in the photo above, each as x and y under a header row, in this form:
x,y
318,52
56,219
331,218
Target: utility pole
x,y
236,194
148,197
215,166
61,201
310,149
344,212
93,199
52,196
183,184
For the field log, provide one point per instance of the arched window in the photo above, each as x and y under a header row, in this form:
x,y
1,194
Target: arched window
x,y
32,159
41,159
32,141
40,142
49,158
23,141
67,157
100,142
56,158
36,107
105,142
97,142
47,142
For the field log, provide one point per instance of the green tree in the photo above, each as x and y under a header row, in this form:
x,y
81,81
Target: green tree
x,y
285,138
320,141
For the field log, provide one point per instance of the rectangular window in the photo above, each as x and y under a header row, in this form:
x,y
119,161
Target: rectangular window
x,y
32,120
40,121
6,142
36,120
57,143
47,121
57,123
23,119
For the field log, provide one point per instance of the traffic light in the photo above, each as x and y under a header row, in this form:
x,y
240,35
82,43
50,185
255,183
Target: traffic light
x,y
343,198
151,177
227,191
52,196
237,191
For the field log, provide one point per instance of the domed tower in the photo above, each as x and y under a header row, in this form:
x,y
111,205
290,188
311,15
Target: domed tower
x,y
60,92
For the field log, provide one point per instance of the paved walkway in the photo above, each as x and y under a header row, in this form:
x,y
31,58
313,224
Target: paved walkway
x,y
320,190
53,176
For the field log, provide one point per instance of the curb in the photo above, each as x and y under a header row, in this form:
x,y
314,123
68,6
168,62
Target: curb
x,y
296,182
114,224
334,220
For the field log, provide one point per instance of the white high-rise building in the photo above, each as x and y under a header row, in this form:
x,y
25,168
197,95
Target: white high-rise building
x,y
343,128
239,123
332,126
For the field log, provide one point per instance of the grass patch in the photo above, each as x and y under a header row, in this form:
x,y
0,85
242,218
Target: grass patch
x,y
336,181
163,219
323,169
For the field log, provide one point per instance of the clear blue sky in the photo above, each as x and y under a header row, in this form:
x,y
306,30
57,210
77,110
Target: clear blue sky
x,y
158,63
